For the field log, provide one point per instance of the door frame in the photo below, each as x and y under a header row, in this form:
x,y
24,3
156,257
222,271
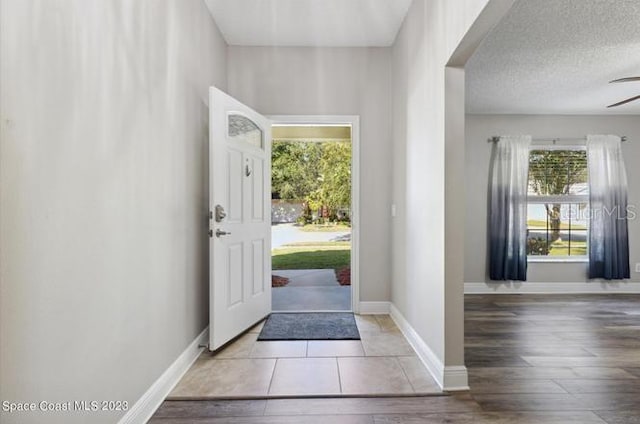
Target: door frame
x,y
354,122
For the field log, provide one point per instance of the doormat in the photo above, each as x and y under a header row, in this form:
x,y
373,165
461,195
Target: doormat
x,y
310,326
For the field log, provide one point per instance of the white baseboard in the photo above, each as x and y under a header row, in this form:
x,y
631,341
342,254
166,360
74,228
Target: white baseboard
x,y
511,287
452,378
429,359
456,378
374,308
144,408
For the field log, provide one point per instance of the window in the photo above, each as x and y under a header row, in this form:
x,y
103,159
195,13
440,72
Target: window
x,y
558,204
244,130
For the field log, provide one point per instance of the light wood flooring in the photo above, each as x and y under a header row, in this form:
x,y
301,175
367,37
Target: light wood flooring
x,y
552,359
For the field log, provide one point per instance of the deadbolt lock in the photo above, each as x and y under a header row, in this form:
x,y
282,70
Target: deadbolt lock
x,y
220,213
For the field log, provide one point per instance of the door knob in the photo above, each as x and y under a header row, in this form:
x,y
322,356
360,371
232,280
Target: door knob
x,y
220,233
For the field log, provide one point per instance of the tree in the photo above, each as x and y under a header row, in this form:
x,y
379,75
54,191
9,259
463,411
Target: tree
x,y
318,173
295,169
553,173
334,191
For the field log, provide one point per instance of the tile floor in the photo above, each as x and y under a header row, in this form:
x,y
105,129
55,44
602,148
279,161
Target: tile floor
x,y
382,363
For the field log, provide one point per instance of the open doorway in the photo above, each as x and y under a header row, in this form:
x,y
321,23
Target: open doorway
x,y
312,215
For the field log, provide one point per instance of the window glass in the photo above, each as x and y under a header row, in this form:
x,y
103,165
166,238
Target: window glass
x,y
557,229
558,204
558,172
244,130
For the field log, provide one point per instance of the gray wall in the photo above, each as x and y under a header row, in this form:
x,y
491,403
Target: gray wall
x,y
103,164
429,35
334,81
478,155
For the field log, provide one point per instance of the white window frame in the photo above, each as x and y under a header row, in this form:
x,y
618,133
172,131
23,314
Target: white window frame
x,y
568,199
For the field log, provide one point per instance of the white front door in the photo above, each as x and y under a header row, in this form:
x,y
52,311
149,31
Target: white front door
x,y
240,217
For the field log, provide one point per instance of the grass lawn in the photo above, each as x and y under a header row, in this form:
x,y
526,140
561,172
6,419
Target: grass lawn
x,y
561,248
312,255
536,224
326,228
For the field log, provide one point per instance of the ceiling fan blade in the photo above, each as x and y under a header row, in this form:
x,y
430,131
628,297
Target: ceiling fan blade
x,y
624,101
628,79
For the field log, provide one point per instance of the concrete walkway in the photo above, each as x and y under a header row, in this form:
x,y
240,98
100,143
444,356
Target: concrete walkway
x,y
309,277
310,290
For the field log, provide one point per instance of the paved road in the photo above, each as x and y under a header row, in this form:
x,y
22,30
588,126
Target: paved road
x,y
288,233
576,236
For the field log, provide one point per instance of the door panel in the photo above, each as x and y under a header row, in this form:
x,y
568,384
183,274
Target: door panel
x,y
258,267
240,225
234,189
257,183
234,280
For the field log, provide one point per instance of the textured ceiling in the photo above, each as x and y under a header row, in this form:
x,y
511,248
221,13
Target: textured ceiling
x,y
331,23
557,56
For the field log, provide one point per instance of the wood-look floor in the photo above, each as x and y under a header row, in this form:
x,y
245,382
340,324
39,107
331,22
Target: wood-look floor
x,y
552,359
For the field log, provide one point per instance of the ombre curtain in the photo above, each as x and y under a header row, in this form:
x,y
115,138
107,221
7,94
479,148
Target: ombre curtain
x,y
608,229
508,214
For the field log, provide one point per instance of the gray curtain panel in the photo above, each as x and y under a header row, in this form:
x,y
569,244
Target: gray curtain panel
x,y
508,214
608,231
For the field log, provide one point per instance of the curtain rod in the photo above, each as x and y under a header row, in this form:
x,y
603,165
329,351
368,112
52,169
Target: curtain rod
x,y
496,138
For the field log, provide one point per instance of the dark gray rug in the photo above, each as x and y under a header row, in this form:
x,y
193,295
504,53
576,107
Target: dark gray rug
x,y
310,326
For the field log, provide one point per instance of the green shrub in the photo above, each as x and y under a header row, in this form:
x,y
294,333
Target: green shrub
x,y
537,246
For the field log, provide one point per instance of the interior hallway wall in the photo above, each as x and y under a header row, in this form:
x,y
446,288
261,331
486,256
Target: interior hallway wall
x,y
334,81
103,169
478,156
429,298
